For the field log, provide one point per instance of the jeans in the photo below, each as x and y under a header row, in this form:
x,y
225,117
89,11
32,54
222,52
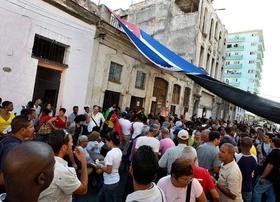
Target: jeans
x,y
267,188
110,192
247,196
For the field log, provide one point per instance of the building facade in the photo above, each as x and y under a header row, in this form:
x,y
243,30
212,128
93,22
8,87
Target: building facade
x,y
121,75
45,51
193,30
243,66
72,53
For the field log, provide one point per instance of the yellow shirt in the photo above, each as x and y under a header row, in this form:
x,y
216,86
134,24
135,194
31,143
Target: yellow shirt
x,y
253,151
5,124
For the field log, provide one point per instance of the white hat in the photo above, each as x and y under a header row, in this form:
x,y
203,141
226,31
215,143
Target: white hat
x,y
183,135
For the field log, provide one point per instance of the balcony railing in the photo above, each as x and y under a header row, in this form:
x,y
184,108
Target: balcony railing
x,y
234,57
235,39
234,66
232,75
239,48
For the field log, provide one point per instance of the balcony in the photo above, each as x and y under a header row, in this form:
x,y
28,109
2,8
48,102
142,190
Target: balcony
x,y
234,57
232,75
233,66
236,40
239,48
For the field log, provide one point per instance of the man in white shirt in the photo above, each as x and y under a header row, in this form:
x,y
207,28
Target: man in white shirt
x,y
126,126
144,170
137,126
37,107
230,177
96,119
65,181
150,138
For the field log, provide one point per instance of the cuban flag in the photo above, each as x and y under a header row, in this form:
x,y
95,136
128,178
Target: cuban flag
x,y
166,59
156,52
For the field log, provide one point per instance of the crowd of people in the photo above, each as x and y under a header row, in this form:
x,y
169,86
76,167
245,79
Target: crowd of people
x,y
167,158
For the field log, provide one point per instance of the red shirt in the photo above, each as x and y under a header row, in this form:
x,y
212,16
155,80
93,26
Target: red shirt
x,y
117,127
59,123
45,118
205,179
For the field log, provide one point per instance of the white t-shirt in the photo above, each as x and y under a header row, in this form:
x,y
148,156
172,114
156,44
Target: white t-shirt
x,y
37,110
149,141
126,126
113,158
65,182
154,194
98,118
137,129
178,194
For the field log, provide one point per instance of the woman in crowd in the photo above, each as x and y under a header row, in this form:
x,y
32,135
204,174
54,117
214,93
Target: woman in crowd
x,y
180,186
45,127
49,107
111,168
6,117
59,121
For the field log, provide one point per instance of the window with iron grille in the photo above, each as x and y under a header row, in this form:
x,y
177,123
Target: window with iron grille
x,y
176,94
140,80
115,72
48,49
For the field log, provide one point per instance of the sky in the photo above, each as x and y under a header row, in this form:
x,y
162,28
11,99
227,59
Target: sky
x,y
244,15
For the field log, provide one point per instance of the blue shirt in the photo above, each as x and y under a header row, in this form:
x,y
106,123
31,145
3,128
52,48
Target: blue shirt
x,y
8,143
247,165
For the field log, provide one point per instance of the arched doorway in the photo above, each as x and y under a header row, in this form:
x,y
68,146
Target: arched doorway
x,y
160,93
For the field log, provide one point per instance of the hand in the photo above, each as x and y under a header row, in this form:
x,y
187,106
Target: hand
x,y
80,155
261,181
99,166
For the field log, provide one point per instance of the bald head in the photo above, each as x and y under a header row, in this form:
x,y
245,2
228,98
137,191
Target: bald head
x,y
30,166
229,147
83,140
227,152
189,153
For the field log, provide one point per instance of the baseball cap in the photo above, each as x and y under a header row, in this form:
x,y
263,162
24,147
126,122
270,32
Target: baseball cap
x,y
183,135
